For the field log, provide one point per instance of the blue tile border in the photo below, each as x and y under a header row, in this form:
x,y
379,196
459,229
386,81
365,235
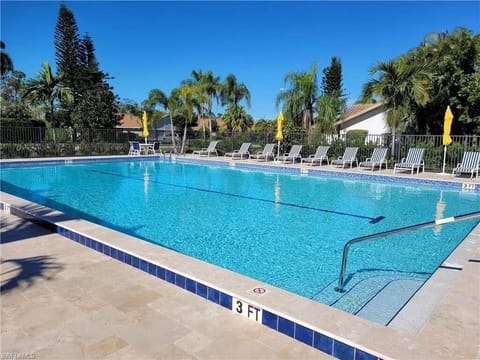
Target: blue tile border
x,y
286,327
269,319
226,300
16,163
304,334
454,185
323,343
342,351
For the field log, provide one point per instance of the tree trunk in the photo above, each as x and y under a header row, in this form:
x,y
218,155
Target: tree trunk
x,y
184,140
210,127
173,134
393,143
210,119
52,120
203,127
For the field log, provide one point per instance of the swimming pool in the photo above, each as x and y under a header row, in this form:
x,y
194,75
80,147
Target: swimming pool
x,y
283,229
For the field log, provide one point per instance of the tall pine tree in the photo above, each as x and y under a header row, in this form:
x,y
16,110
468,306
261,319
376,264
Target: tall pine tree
x,y
67,55
331,104
332,86
332,79
97,106
94,104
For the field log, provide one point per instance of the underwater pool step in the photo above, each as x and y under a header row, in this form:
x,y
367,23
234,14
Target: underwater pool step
x,y
365,293
383,307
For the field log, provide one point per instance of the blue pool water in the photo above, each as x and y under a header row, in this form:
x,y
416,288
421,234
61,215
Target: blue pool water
x,y
285,230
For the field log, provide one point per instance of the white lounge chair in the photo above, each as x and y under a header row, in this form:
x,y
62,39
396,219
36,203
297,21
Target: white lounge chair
x,y
319,157
210,150
292,156
470,164
377,159
349,157
414,160
266,154
240,153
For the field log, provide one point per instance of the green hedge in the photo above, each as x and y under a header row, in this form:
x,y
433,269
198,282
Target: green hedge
x,y
50,149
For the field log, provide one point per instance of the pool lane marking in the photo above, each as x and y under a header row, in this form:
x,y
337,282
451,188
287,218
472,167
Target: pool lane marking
x,y
372,220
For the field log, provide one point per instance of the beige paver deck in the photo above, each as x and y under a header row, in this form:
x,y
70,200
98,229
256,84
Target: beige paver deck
x,y
99,317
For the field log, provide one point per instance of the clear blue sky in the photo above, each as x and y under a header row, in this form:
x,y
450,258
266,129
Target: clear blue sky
x,y
156,44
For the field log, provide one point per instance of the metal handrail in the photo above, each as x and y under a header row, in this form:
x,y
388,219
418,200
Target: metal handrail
x,y
449,220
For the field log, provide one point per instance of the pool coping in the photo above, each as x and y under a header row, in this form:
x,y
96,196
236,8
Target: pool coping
x,y
329,330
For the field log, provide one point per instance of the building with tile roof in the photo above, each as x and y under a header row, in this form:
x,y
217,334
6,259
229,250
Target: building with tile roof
x,y
159,130
130,122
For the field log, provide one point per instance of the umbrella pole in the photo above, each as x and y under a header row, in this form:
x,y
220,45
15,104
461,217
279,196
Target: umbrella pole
x,y
444,158
278,151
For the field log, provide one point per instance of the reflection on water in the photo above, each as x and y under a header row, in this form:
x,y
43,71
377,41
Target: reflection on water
x,y
377,190
277,194
146,180
440,208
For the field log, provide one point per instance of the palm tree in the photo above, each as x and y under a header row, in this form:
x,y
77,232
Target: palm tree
x,y
46,89
237,119
400,83
232,92
329,108
434,39
171,104
454,58
6,63
191,99
299,99
210,87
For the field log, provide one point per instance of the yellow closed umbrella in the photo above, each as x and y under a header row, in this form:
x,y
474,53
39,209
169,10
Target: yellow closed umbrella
x,y
447,127
279,136
447,140
145,126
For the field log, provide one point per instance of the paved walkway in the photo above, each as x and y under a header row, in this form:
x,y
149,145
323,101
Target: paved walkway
x,y
61,300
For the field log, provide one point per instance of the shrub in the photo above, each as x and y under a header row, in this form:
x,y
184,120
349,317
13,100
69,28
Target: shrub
x,y
356,137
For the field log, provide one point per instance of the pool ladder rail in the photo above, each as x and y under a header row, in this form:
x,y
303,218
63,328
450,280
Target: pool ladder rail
x,y
439,222
172,156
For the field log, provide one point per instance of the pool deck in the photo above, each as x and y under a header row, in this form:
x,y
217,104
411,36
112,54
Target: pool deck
x,y
63,300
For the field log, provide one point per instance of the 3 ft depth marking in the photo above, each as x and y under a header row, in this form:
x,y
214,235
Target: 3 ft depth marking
x,y
247,310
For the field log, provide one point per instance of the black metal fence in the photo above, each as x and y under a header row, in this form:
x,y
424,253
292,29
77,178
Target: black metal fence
x,y
398,147
25,142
